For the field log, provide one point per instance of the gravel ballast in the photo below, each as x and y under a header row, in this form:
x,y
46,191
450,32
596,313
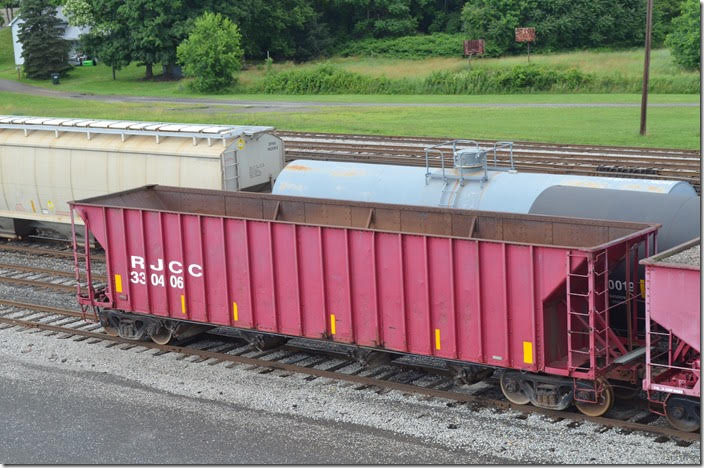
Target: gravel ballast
x,y
481,431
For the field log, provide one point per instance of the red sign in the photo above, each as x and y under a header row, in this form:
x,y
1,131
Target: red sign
x,y
525,34
474,47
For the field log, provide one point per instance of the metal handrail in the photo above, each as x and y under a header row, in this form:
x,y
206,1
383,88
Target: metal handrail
x,y
453,144
427,162
504,144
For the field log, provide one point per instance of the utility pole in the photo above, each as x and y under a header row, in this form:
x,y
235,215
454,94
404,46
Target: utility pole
x,y
646,67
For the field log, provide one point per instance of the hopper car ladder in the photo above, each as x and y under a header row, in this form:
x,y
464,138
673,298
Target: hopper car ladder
x,y
591,343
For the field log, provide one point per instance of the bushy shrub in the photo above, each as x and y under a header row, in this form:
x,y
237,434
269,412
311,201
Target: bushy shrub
x,y
408,47
325,79
684,38
528,78
211,53
521,78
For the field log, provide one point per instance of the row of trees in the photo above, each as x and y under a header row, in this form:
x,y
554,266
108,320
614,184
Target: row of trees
x,y
149,32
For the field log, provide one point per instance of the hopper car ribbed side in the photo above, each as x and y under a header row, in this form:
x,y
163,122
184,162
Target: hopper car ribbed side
x,y
524,293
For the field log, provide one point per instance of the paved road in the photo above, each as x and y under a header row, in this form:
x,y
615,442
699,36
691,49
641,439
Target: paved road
x,y
254,105
55,416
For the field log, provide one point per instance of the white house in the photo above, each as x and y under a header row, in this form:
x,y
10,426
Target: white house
x,y
72,33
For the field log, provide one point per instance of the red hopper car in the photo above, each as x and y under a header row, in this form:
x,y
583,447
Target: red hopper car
x,y
673,324
527,294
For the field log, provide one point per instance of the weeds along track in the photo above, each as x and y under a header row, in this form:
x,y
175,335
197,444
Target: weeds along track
x,y
631,162
410,378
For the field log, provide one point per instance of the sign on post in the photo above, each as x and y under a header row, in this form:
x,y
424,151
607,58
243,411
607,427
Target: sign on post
x,y
473,47
525,35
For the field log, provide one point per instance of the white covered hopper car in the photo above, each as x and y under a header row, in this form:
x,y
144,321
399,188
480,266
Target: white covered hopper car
x,y
46,162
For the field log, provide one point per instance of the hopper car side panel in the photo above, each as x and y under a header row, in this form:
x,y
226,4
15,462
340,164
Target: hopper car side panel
x,y
403,292
673,323
469,299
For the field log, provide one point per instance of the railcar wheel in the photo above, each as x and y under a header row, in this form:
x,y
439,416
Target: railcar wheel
x,y
682,413
511,387
162,336
112,331
603,404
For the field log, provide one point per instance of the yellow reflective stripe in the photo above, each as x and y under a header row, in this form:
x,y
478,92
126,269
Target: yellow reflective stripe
x,y
118,283
528,352
34,209
642,288
437,338
235,315
183,304
332,323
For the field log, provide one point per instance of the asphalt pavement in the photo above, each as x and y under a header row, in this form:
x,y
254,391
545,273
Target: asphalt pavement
x,y
56,416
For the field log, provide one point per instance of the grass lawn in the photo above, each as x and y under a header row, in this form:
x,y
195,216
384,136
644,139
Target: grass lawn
x,y
669,127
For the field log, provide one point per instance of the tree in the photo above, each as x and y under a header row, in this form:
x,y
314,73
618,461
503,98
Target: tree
x,y
9,6
156,27
44,49
684,38
145,31
212,52
111,48
108,39
559,24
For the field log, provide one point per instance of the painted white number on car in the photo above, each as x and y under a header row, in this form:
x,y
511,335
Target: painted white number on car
x,y
138,277
176,282
157,280
174,269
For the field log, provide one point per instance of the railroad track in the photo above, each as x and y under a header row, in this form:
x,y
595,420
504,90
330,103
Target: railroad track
x,y
287,360
58,249
45,278
652,163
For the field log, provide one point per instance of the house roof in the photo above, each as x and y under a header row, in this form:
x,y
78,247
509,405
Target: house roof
x,y
14,20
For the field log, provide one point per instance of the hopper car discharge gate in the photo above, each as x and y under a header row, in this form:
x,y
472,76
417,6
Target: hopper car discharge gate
x,y
525,294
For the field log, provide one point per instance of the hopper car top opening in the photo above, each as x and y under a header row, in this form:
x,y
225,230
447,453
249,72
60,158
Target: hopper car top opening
x,y
559,231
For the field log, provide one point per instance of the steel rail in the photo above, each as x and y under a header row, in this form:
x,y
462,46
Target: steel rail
x,y
357,379
43,251
628,162
522,143
37,270
418,150
673,167
37,284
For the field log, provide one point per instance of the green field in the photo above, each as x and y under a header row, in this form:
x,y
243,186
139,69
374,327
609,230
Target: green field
x,y
671,126
674,127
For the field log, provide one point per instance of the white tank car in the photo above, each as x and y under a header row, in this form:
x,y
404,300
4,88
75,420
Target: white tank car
x,y
474,182
46,162
493,190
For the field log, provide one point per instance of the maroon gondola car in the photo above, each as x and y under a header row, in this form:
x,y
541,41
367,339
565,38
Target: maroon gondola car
x,y
525,293
673,324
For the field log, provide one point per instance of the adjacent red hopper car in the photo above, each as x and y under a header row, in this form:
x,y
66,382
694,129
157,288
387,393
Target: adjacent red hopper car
x,y
673,324
521,292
